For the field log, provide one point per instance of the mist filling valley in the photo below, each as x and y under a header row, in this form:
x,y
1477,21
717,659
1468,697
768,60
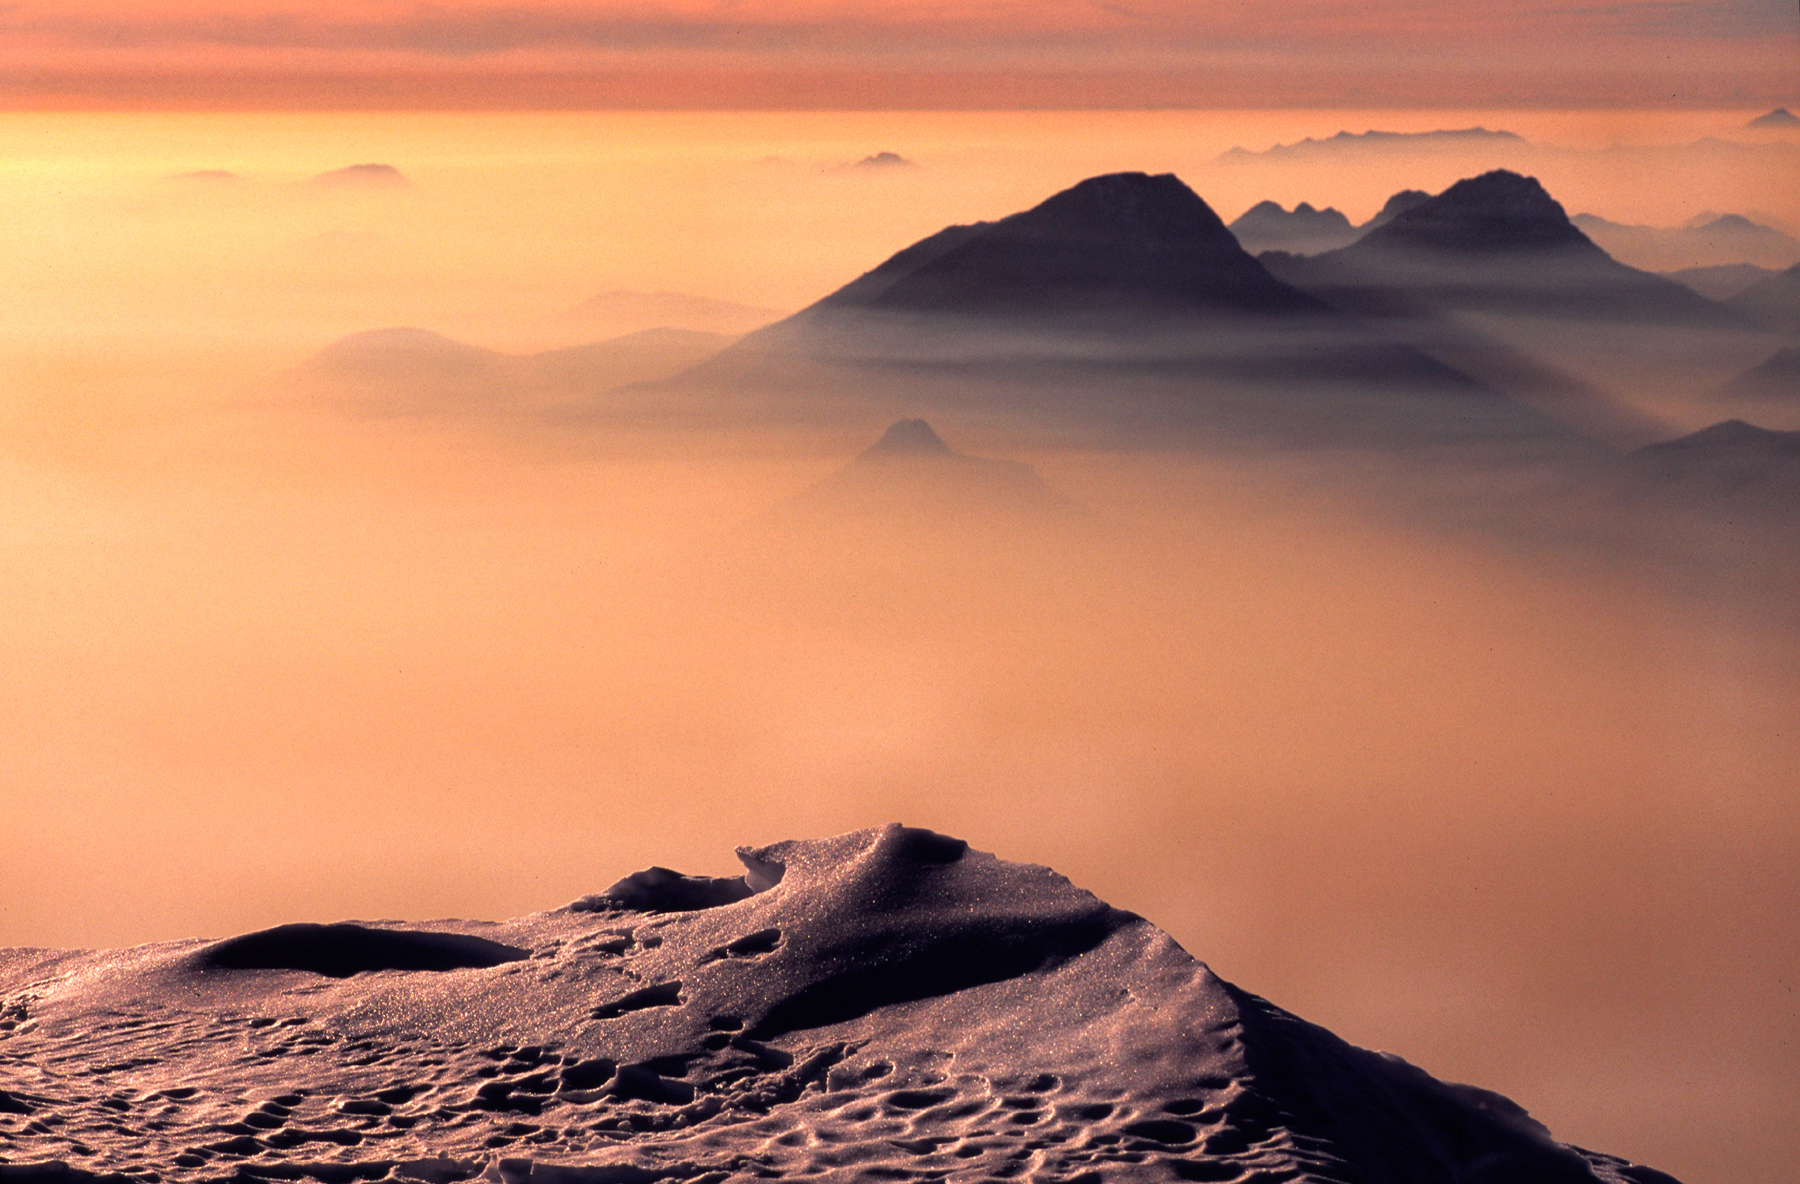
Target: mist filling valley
x,y
1407,627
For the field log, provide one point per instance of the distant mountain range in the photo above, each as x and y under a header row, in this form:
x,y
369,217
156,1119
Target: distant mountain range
x,y
1723,281
1774,302
619,312
1307,231
1711,241
1122,304
1379,141
412,371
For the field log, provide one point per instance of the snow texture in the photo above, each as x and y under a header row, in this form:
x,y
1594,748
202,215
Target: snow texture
x,y
885,1005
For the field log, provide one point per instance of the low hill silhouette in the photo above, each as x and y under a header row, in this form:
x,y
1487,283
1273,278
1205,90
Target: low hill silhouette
x,y
1722,282
1774,302
363,176
1711,241
1731,468
1774,380
416,371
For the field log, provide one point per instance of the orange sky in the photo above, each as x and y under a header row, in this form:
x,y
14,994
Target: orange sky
x,y
496,54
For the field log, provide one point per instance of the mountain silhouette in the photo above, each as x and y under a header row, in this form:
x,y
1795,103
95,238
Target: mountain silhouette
x,y
1303,230
910,478
363,176
1497,212
1500,241
1776,379
1709,241
1372,142
1774,302
1780,117
1111,248
1122,305
884,160
410,370
1723,281
1732,466
1396,205
1491,274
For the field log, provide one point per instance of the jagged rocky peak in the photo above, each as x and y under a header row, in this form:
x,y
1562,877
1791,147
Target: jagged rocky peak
x,y
909,437
1496,212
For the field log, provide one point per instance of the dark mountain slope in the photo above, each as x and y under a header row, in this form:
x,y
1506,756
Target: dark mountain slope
x,y
1303,230
1493,278
1774,380
1774,302
1122,305
1120,246
1498,242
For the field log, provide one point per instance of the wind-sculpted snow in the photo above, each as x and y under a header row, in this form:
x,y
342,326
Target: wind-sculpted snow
x,y
884,1005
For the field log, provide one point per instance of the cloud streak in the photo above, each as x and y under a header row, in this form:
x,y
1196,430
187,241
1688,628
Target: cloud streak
x,y
1407,51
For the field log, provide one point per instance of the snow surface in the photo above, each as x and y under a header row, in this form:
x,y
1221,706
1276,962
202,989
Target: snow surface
x,y
883,1005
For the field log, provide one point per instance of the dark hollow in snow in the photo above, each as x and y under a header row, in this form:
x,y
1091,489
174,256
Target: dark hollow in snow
x,y
341,950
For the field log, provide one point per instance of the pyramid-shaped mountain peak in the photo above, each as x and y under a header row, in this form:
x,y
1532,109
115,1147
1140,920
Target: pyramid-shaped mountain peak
x,y
1499,211
908,437
1126,246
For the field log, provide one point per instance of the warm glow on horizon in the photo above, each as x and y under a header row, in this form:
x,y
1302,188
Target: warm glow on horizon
x,y
475,54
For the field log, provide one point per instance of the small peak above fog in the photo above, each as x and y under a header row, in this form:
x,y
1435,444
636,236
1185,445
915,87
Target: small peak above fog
x,y
361,176
206,177
909,437
884,160
1735,436
1780,117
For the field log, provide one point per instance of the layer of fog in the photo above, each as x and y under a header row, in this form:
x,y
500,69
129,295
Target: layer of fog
x,y
1504,811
